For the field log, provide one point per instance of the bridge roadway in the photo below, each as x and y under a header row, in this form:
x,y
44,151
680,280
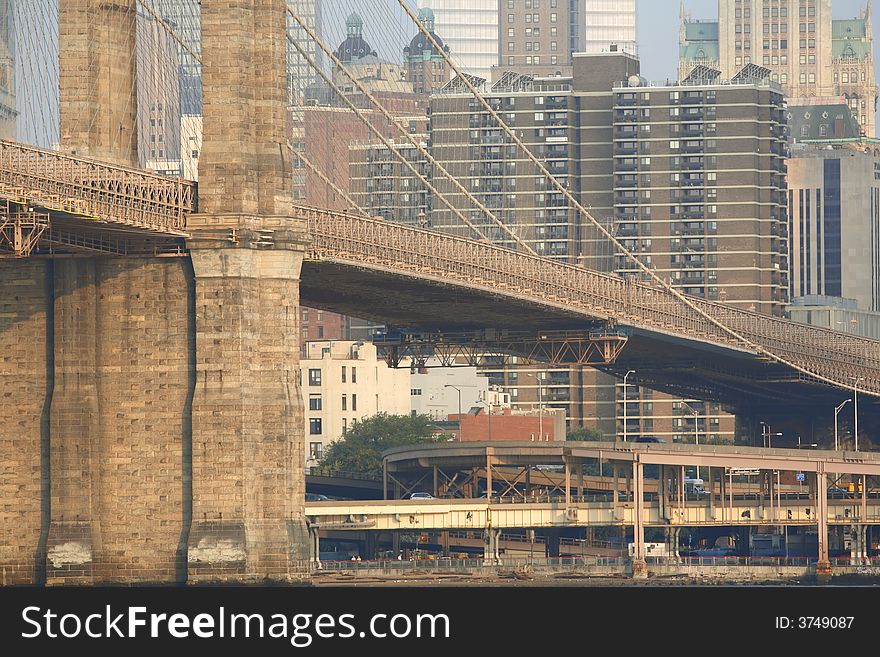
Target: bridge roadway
x,y
61,205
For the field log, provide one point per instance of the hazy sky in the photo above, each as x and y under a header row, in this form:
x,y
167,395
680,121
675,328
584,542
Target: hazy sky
x,y
36,37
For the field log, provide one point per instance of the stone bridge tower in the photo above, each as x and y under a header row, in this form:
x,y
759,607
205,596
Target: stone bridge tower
x,y
248,453
152,426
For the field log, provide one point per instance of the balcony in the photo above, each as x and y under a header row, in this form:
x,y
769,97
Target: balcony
x,y
626,181
692,147
692,164
690,196
625,148
689,131
626,100
627,230
625,132
690,213
689,228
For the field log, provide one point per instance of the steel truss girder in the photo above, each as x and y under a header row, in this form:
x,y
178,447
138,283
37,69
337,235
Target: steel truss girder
x,y
485,348
21,230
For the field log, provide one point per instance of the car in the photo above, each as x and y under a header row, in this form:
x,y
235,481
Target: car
x,y
838,492
422,496
316,497
649,439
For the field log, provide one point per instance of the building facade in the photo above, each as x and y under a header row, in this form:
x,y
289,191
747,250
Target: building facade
x,y
595,132
343,382
809,53
385,187
610,24
158,91
426,67
470,30
441,392
301,76
534,37
700,189
834,210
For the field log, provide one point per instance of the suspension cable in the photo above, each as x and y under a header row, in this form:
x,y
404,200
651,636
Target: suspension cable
x,y
425,153
389,145
352,204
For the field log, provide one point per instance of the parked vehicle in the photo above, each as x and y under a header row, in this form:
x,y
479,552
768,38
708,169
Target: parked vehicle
x,y
422,496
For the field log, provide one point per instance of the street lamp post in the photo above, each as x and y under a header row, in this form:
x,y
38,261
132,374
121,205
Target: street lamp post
x,y
624,402
856,407
696,429
488,408
837,410
449,385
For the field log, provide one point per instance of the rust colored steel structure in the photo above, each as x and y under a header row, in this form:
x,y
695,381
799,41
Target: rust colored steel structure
x,y
93,191
376,244
475,349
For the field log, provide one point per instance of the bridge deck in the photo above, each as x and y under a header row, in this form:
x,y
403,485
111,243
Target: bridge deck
x,y
61,201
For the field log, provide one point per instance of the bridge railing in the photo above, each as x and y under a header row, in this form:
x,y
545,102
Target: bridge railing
x,y
836,356
95,190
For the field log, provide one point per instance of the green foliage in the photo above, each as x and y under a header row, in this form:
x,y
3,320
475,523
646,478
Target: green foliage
x,y
360,448
585,433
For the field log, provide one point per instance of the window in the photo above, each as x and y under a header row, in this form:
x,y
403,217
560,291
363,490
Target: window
x,y
343,373
344,402
315,426
415,392
316,451
314,377
552,18
354,374
354,402
314,403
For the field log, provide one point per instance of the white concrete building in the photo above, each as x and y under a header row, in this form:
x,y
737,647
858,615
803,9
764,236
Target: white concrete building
x,y
470,29
610,22
444,391
190,145
343,381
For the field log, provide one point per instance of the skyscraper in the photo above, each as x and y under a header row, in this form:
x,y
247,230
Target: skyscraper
x,y
807,52
300,75
610,23
470,29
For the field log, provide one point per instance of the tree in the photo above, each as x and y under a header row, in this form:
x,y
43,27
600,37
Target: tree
x,y
585,433
361,446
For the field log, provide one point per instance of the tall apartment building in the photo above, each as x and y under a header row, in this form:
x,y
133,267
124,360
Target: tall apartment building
x,y
534,37
700,191
385,187
8,111
690,176
470,30
808,52
609,24
342,382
